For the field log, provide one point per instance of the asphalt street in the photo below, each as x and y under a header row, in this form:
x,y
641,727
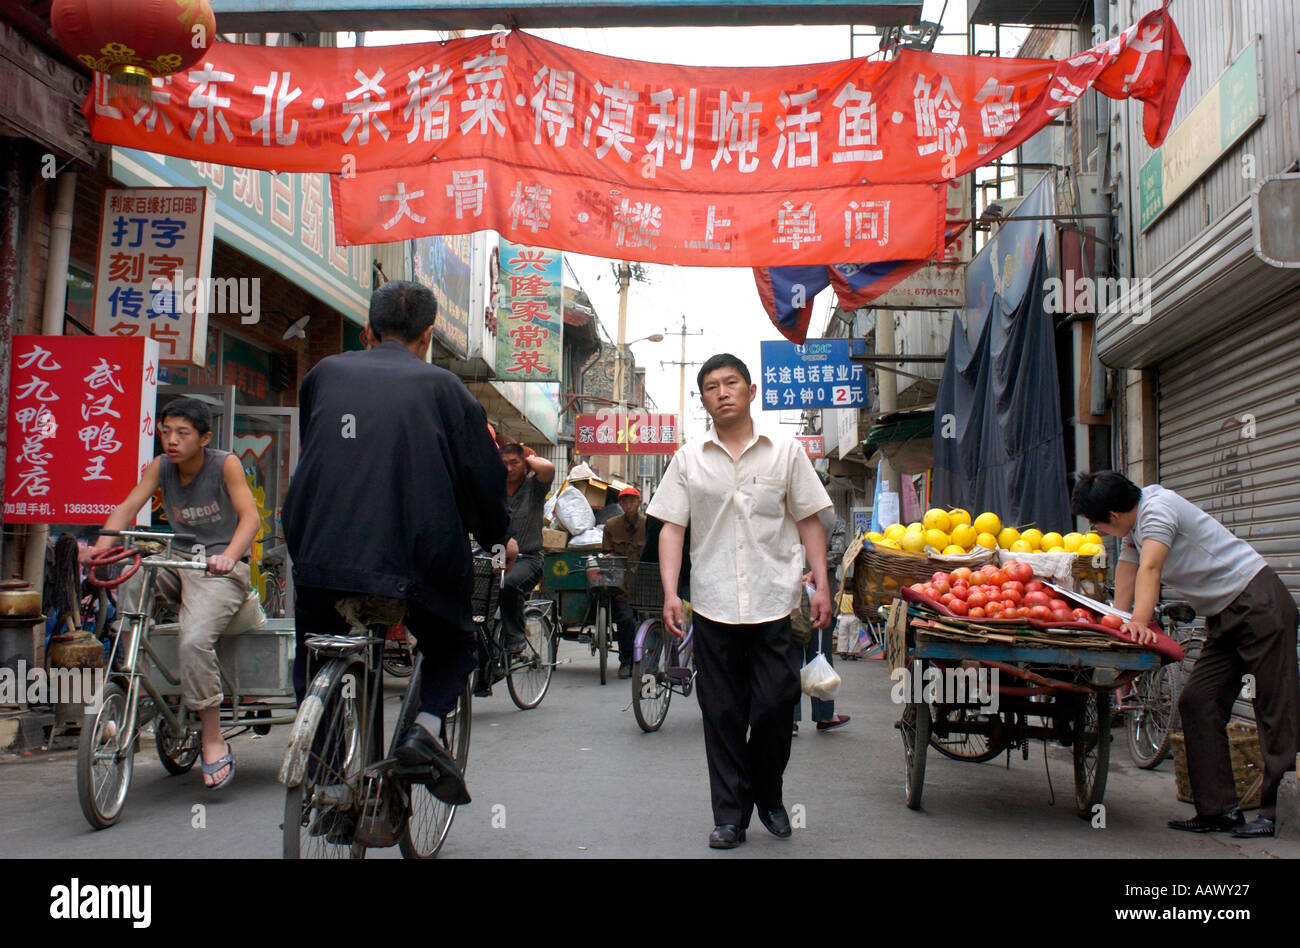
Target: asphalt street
x,y
577,778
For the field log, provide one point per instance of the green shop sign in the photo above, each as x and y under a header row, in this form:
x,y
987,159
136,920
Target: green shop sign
x,y
1232,107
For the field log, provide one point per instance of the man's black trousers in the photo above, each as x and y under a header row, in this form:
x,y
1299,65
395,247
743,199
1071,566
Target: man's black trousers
x,y
449,649
748,681
1255,635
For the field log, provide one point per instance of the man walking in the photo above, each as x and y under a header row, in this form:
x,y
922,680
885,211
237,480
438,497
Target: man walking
x,y
624,535
397,466
751,502
1250,621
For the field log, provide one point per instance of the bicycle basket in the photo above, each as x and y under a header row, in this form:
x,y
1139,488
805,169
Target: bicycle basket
x,y
645,592
606,572
487,587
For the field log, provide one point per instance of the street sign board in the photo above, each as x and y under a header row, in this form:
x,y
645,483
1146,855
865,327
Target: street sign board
x,y
818,374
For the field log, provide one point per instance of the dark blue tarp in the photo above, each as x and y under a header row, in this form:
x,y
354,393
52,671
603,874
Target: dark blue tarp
x,y
997,418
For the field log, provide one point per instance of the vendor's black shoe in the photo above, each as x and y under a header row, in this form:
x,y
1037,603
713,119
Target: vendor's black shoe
x,y
419,748
1223,823
624,669
515,646
1261,826
726,836
777,821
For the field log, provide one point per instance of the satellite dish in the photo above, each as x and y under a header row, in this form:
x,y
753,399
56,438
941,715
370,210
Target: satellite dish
x,y
298,330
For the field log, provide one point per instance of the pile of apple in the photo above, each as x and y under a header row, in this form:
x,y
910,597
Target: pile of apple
x,y
1008,591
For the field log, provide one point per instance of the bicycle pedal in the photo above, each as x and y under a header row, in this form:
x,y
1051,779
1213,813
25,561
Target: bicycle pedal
x,y
384,809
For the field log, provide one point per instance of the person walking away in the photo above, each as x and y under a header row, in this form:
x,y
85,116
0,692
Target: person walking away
x,y
1250,628
396,468
751,502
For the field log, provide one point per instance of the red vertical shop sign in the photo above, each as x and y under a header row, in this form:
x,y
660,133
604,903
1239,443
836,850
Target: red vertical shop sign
x,y
81,426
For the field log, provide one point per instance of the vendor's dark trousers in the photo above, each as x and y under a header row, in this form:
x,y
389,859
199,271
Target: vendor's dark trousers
x,y
821,710
519,583
625,625
748,681
1255,635
448,649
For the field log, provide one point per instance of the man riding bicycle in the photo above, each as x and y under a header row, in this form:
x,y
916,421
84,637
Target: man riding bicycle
x,y
528,475
205,495
397,467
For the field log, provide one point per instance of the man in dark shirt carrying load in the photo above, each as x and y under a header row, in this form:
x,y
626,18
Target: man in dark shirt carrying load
x,y
205,496
624,535
528,475
397,467
1250,621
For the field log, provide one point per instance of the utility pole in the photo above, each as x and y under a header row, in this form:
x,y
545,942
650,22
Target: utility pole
x,y
681,390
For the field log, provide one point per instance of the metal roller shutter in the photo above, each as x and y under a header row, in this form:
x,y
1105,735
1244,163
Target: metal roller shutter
x,y
1229,427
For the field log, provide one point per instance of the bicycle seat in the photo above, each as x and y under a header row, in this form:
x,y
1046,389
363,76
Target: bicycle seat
x,y
362,612
249,616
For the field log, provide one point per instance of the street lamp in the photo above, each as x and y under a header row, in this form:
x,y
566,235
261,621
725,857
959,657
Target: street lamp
x,y
619,384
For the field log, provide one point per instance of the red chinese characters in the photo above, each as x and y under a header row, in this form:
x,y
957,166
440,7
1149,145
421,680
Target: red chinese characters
x,y
81,422
610,432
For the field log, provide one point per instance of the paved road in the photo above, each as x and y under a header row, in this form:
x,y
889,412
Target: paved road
x,y
577,778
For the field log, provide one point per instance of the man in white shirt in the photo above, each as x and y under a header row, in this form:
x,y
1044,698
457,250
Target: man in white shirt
x,y
1250,621
751,503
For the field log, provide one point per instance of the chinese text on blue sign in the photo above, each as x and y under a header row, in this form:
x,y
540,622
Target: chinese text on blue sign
x,y
818,374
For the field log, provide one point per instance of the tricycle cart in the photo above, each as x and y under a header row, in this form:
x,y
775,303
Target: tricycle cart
x,y
583,585
1048,684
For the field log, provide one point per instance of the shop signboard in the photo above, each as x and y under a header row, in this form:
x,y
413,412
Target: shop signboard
x,y
152,272
636,432
81,426
530,314
813,445
445,265
817,374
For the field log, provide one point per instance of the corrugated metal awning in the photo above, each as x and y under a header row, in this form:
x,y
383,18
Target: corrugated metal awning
x,y
1027,11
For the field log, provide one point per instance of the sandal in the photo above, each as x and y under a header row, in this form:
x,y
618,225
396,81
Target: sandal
x,y
221,762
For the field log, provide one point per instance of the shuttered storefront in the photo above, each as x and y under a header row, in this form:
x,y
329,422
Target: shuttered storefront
x,y
1229,429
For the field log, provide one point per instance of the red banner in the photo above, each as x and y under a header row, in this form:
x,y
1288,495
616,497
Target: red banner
x,y
81,426
610,432
814,446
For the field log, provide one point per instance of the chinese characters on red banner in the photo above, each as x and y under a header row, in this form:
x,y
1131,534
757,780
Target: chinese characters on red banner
x,y
155,250
610,432
813,445
81,423
548,140
530,318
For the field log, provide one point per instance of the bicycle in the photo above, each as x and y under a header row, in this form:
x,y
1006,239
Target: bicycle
x,y
662,664
341,799
272,567
1150,703
527,673
142,686
399,651
605,575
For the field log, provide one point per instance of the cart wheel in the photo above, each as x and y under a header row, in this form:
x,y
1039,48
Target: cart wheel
x,y
602,638
1091,751
915,727
1149,724
961,745
104,766
651,690
176,752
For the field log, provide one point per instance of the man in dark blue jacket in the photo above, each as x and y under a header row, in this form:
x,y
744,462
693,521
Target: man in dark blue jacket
x,y
396,467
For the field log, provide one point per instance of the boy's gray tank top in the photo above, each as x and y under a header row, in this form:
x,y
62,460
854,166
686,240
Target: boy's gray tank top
x,y
202,507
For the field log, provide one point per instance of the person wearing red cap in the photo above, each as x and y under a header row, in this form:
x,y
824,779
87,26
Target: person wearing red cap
x,y
625,536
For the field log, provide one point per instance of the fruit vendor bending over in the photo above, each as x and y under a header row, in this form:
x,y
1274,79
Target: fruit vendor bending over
x,y
1250,623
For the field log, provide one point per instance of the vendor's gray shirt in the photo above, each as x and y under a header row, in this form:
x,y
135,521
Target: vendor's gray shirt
x,y
1207,565
526,505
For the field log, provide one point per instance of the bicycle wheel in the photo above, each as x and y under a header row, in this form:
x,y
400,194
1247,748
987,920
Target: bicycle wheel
x,y
651,690
1148,726
429,820
104,766
320,813
177,752
529,673
274,604
960,744
915,728
602,638
1091,751
399,657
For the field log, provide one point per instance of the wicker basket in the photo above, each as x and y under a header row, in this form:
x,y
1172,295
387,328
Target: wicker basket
x,y
879,573
1247,765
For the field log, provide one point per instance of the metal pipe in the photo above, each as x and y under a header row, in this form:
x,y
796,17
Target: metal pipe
x,y
11,181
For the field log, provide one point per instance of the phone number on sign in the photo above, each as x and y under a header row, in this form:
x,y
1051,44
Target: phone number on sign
x,y
88,508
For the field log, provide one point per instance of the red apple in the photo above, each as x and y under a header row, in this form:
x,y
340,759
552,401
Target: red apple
x,y
977,599
931,592
940,577
941,586
945,598
960,592
957,607
962,574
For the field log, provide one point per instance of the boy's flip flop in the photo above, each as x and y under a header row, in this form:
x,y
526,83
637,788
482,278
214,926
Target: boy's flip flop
x,y
213,768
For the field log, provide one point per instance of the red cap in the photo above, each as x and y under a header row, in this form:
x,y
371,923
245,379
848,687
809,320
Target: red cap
x,y
628,492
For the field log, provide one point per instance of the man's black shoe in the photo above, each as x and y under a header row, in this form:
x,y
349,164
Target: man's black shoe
x,y
777,821
420,749
726,836
624,669
1223,823
515,646
1261,826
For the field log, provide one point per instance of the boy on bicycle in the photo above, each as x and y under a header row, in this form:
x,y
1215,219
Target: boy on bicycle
x,y
204,495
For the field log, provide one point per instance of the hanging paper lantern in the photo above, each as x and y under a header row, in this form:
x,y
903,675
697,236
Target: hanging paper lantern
x,y
134,41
